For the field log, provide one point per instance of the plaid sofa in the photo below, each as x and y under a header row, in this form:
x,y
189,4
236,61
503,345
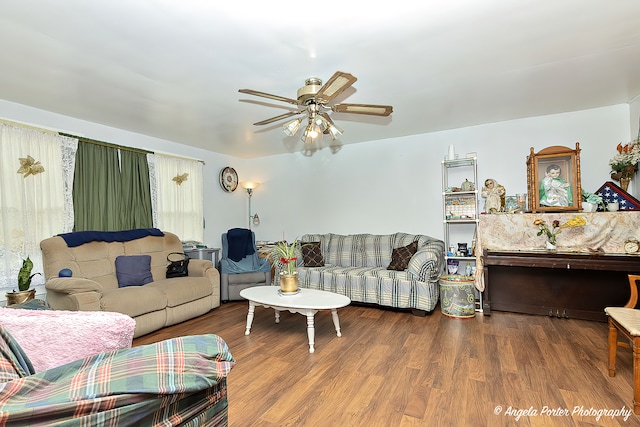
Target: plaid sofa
x,y
180,381
356,266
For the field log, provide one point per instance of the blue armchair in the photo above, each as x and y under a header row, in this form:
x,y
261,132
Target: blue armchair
x,y
240,265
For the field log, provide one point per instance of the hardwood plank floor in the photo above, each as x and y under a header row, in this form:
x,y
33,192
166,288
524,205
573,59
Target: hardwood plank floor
x,y
391,368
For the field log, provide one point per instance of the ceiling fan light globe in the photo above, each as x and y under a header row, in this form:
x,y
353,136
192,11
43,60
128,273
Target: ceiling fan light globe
x,y
306,138
310,133
335,131
325,124
316,129
290,128
330,127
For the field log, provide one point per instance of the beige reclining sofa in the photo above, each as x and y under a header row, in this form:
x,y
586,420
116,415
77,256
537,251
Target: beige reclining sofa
x,y
93,285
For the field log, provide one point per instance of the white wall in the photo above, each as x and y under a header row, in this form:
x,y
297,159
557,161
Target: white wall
x,y
634,117
395,185
376,187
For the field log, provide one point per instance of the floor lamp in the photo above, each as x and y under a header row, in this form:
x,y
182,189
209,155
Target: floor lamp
x,y
250,186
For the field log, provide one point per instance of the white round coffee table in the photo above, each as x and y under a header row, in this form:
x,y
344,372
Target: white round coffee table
x,y
306,302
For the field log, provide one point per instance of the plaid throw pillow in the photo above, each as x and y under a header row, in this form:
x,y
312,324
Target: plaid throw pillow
x,y
400,257
312,255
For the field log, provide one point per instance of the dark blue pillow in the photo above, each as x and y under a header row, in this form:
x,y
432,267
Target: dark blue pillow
x,y
133,270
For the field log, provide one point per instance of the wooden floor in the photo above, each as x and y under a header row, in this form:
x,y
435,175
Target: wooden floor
x,y
395,369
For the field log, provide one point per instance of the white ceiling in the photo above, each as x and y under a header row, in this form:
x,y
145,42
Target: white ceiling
x,y
172,69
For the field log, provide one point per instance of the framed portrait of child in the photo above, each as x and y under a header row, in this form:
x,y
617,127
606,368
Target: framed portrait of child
x,y
553,179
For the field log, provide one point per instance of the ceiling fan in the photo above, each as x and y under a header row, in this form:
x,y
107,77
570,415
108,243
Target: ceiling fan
x,y
312,102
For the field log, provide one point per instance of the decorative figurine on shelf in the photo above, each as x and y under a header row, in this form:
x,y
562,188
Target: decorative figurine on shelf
x,y
452,266
494,195
467,185
462,249
555,190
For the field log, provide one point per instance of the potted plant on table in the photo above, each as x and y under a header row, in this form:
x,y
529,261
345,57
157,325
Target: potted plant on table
x,y
24,294
591,202
285,255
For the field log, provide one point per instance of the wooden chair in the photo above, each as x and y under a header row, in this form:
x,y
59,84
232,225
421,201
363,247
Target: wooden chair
x,y
626,320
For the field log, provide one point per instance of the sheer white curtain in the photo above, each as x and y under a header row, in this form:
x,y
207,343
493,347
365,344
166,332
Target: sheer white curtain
x,y
35,206
176,195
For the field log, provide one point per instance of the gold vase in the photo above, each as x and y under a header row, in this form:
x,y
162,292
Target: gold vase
x,y
20,297
289,283
624,183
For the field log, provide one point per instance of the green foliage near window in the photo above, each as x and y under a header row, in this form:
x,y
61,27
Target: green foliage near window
x,y
25,276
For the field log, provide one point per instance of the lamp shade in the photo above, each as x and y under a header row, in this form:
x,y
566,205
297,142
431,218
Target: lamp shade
x,y
290,128
249,185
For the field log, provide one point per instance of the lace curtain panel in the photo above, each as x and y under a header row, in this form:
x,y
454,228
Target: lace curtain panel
x,y
35,203
176,196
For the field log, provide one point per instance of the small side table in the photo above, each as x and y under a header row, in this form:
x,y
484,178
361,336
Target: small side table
x,y
212,254
264,251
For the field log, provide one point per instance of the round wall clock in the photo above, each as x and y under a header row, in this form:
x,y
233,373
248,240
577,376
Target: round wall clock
x,y
228,179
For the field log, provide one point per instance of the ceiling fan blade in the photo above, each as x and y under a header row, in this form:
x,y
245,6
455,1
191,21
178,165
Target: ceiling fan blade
x,y
335,86
374,110
268,95
280,117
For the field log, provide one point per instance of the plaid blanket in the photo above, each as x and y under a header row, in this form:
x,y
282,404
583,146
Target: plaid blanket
x,y
180,381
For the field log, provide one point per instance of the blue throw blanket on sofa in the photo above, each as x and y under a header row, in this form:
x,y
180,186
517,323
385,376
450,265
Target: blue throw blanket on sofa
x,y
81,237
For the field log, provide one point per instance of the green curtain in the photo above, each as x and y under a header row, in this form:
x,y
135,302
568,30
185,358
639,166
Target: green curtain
x,y
96,188
110,194
136,191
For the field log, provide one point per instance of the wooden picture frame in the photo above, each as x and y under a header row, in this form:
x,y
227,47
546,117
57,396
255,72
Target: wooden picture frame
x,y
553,179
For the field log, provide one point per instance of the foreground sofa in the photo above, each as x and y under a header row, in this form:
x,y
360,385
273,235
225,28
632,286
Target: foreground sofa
x,y
93,285
357,266
176,382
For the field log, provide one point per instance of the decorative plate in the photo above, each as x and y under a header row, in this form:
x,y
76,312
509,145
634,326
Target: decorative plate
x,y
228,179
